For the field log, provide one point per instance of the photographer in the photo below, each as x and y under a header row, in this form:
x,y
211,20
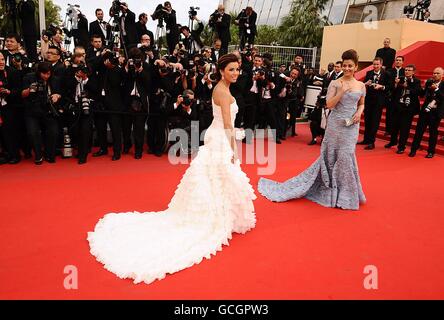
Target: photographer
x,y
318,113
128,25
57,41
192,46
197,27
431,113
185,110
100,27
253,96
406,105
281,102
79,102
397,73
141,28
13,57
81,34
216,50
246,20
267,110
239,89
41,96
94,53
168,14
110,104
150,52
220,22
11,115
377,83
165,86
137,90
294,92
53,56
26,13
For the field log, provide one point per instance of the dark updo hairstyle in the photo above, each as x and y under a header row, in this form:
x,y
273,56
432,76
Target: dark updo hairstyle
x,y
223,62
351,55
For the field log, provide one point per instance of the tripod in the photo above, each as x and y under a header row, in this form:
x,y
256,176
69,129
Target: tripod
x,y
160,33
116,39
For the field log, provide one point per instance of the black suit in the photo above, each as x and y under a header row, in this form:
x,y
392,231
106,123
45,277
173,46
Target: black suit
x,y
81,35
137,119
111,100
96,29
215,57
247,28
172,31
129,33
404,112
374,102
26,11
82,129
222,29
12,113
391,103
387,55
430,119
141,29
40,119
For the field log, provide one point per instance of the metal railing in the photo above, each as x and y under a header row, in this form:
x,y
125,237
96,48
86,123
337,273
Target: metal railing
x,y
286,54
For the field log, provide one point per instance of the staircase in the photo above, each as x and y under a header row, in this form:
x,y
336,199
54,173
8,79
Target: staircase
x,y
426,55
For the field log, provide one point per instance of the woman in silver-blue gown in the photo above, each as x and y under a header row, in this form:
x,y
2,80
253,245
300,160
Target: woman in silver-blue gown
x,y
333,179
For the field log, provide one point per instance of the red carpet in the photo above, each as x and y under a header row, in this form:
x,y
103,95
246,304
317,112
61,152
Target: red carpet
x,y
298,250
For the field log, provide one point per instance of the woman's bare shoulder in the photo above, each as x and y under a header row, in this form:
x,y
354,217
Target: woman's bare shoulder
x,y
221,97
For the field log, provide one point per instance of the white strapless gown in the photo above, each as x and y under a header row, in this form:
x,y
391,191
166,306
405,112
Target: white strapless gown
x,y
147,246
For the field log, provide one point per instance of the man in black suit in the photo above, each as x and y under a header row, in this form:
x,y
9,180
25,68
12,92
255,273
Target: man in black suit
x,y
406,104
100,27
387,54
127,26
11,112
216,50
26,11
141,28
377,82
171,27
137,90
220,22
110,87
53,56
396,73
246,20
431,113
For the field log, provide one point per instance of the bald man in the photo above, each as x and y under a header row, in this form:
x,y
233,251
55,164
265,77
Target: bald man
x,y
431,113
387,54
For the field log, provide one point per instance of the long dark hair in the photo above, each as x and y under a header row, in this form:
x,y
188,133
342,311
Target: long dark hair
x,y
223,62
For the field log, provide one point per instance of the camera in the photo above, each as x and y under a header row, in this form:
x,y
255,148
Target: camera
x,y
134,64
37,87
214,18
159,13
193,12
321,100
186,100
116,7
211,70
80,67
85,105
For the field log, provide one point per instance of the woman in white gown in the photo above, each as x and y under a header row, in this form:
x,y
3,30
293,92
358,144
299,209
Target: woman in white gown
x,y
147,246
